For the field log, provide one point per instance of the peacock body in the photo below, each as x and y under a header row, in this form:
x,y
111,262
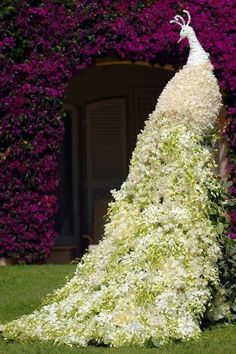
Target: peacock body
x,y
154,273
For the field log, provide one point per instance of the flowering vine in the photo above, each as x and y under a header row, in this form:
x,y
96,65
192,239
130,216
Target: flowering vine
x,y
43,43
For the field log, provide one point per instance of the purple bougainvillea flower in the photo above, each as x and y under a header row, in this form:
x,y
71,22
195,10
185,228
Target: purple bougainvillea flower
x,y
233,216
232,236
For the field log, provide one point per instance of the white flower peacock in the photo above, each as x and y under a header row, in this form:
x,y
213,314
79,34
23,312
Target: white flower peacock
x,y
153,275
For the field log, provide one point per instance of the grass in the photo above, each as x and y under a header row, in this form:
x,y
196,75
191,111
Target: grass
x,y
23,287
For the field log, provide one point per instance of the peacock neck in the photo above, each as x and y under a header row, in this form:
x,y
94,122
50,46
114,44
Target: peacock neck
x,y
197,55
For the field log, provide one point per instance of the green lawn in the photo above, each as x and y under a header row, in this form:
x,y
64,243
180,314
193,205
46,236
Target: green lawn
x,y
22,288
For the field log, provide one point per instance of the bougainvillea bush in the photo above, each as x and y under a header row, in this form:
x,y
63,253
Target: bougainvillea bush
x,y
42,45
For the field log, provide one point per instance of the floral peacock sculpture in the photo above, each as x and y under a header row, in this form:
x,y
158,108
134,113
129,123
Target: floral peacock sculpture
x,y
154,275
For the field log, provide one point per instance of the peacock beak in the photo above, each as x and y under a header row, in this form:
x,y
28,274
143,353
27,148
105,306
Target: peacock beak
x,y
180,39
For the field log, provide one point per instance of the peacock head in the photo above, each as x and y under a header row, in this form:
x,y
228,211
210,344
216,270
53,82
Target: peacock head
x,y
186,30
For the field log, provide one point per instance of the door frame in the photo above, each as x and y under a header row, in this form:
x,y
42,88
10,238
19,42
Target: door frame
x,y
76,120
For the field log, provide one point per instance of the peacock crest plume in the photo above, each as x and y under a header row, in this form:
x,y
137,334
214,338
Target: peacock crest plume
x,y
197,53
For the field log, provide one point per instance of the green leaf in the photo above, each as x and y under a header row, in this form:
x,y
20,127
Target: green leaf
x,y
220,228
228,184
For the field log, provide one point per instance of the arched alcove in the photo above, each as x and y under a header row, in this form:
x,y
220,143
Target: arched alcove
x,y
106,109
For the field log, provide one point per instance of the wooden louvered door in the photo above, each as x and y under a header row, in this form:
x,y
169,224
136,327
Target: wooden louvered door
x,y
106,158
142,101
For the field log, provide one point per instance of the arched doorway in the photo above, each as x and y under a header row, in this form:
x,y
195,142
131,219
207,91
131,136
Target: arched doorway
x,y
106,108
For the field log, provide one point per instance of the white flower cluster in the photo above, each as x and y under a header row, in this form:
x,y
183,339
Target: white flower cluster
x,y
154,272
152,275
191,96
